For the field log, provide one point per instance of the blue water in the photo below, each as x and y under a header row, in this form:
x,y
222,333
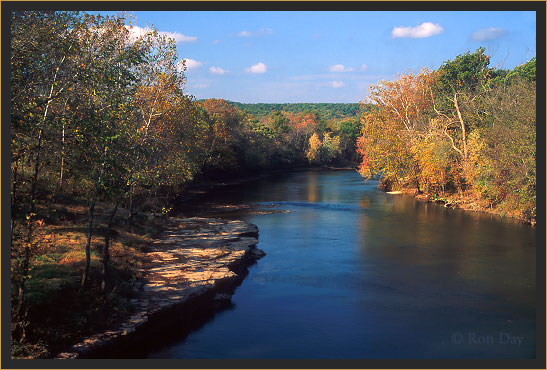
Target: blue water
x,y
353,272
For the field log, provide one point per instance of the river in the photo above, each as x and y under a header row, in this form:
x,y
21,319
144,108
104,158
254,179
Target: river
x,y
353,272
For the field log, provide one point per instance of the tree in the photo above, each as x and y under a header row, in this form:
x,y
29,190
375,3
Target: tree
x,y
103,100
279,123
396,126
505,154
330,150
462,83
224,126
384,149
314,150
41,72
349,131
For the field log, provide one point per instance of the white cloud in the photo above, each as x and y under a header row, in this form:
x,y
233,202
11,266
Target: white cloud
x,y
179,37
340,68
261,32
336,84
135,32
336,76
257,68
364,67
488,33
217,70
425,29
189,63
214,42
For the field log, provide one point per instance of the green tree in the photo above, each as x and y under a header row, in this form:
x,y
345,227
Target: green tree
x,y
330,150
505,169
41,72
463,83
280,123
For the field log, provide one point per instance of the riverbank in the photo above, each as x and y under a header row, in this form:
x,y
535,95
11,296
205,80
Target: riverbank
x,y
60,312
348,270
195,262
465,202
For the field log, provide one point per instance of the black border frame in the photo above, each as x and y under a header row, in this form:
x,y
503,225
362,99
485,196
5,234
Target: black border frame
x,y
538,6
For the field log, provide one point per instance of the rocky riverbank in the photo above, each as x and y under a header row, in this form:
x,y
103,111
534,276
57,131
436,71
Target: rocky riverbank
x,y
194,262
466,203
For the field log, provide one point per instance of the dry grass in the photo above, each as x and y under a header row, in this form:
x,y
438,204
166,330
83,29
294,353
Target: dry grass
x,y
60,312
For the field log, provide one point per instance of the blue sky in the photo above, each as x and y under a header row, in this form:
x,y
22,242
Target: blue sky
x,y
326,56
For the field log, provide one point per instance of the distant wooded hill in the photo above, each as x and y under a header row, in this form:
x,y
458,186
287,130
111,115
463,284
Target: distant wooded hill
x,y
325,110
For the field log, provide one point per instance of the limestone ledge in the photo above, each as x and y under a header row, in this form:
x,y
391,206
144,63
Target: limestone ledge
x,y
192,257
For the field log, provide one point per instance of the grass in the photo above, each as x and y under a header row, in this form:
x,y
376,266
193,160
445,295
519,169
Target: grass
x,y
59,311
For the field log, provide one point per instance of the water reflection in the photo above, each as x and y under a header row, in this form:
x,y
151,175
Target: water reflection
x,y
313,191
352,272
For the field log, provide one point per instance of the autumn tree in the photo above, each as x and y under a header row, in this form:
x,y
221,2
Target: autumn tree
x,y
314,150
395,127
224,123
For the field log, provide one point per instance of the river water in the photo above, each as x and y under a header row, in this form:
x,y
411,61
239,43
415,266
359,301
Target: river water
x,y
353,272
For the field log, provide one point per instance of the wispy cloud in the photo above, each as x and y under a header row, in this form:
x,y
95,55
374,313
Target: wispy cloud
x,y
488,33
340,68
257,68
337,76
261,32
217,70
426,29
336,84
364,67
214,42
188,64
135,32
244,33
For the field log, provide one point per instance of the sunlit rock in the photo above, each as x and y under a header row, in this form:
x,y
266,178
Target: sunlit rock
x,y
192,257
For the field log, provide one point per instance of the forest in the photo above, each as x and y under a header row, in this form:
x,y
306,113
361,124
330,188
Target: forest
x,y
325,110
466,130
103,137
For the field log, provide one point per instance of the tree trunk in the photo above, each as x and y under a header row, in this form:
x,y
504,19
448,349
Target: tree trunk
x,y
106,252
13,199
130,202
462,125
85,276
30,216
62,160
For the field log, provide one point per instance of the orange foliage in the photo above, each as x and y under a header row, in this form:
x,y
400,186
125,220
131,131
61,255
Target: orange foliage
x,y
302,123
404,100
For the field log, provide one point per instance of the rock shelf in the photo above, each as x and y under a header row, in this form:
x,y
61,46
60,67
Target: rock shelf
x,y
193,258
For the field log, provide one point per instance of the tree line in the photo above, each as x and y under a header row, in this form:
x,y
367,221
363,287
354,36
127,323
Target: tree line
x,y
100,115
327,111
467,129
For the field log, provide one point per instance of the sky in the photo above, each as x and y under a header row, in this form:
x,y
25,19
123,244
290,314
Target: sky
x,y
329,56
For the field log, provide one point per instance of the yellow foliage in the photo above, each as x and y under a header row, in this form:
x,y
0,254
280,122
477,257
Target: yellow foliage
x,y
314,148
